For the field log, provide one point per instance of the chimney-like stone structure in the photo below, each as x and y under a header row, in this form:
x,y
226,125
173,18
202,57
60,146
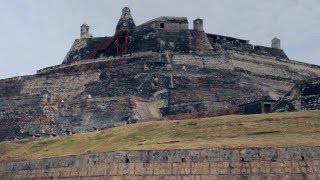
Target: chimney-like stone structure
x,y
84,31
276,43
198,24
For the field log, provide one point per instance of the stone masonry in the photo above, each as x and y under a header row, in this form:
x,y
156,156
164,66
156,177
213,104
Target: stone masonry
x,y
293,163
304,95
110,91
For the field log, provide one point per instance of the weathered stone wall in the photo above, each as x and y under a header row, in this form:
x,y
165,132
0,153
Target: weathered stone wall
x,y
310,94
99,94
174,37
169,26
304,95
251,163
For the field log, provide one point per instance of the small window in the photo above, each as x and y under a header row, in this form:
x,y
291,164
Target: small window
x,y
161,25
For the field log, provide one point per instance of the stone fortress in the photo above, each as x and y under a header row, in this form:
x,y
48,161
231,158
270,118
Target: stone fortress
x,y
159,69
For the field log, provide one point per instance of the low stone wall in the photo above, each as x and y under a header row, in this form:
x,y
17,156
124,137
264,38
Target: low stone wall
x,y
252,163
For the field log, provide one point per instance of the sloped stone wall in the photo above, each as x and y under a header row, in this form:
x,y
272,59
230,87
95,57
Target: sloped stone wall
x,y
102,93
251,163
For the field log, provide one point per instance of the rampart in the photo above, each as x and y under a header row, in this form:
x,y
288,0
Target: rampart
x,y
248,163
109,92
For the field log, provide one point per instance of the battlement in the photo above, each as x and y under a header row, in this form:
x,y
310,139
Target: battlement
x,y
164,33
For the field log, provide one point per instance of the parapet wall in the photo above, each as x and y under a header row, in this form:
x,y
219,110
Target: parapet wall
x,y
251,163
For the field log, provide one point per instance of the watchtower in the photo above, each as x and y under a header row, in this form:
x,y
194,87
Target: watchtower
x,y
126,22
84,31
276,43
198,24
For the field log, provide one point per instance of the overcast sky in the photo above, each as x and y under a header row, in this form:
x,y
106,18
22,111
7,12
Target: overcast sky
x,y
38,33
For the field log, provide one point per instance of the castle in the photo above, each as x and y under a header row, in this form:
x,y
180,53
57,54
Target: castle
x,y
159,35
159,69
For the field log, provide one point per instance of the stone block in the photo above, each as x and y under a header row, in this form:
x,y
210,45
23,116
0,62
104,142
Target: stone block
x,y
63,173
116,177
162,168
132,177
235,167
200,168
305,167
74,172
119,157
225,177
267,154
125,169
298,177
100,170
316,169
134,156
245,168
158,156
283,154
310,153
255,166
295,153
229,155
139,169
143,169
281,167
207,177
249,155
219,168
258,177
265,167
181,168
171,177
151,177
210,155
56,173
112,169
312,177
194,155
177,156
188,177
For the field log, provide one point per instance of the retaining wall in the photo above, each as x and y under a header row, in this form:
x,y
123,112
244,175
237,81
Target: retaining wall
x,y
253,163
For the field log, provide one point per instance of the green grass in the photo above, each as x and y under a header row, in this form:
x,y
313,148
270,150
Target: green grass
x,y
272,130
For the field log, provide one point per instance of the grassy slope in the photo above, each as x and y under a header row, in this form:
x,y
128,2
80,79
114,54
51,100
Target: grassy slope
x,y
285,129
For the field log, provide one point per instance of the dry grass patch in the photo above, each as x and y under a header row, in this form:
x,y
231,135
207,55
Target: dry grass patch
x,y
276,130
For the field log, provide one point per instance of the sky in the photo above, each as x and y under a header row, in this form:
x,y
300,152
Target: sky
x,y
35,34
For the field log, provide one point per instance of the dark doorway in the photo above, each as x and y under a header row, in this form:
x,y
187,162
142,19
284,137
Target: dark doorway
x,y
267,108
161,25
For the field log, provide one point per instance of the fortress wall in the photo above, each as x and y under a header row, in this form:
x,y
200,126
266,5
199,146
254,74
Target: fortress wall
x,y
274,77
272,67
253,163
259,65
59,86
86,96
